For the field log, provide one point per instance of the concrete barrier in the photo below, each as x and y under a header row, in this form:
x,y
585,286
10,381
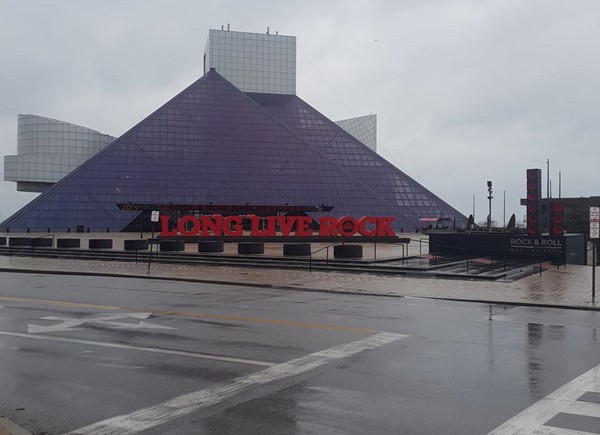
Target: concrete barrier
x,y
100,244
42,242
251,248
136,245
211,246
173,245
296,249
348,251
19,241
68,243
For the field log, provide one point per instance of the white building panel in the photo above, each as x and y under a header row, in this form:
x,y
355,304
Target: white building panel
x,y
48,149
363,128
253,62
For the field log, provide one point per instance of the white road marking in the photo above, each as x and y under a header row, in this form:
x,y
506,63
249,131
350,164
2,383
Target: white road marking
x,y
107,320
153,416
531,420
548,430
143,349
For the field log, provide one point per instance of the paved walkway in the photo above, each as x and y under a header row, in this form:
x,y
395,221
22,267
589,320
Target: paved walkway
x,y
568,286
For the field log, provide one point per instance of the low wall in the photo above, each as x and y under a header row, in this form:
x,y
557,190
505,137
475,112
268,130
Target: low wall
x,y
567,249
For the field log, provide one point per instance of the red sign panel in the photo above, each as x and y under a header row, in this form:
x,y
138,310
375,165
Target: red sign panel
x,y
219,226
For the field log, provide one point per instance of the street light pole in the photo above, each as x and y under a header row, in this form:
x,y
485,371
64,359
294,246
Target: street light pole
x,y
504,211
548,178
559,184
489,185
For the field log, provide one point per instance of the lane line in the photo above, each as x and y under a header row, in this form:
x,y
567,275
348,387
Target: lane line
x,y
59,303
140,348
564,399
153,416
318,326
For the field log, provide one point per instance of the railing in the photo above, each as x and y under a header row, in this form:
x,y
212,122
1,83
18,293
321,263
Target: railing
x,y
496,257
403,249
152,241
403,245
28,241
421,244
319,250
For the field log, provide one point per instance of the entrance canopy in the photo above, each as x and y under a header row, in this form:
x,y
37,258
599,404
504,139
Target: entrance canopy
x,y
435,222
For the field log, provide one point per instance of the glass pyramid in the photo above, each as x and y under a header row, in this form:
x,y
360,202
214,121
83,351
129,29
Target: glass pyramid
x,y
212,143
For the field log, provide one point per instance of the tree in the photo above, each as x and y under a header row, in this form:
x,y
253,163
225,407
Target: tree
x,y
484,224
470,222
512,222
577,220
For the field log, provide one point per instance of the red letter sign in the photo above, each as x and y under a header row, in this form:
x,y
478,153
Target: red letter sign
x,y
164,227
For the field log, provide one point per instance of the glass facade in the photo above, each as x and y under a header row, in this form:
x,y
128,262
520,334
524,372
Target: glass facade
x,y
213,143
392,192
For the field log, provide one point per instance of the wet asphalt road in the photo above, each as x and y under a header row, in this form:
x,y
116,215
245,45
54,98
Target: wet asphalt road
x,y
75,351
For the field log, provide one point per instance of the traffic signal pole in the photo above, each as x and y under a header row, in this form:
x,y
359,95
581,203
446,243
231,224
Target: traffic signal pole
x,y
594,273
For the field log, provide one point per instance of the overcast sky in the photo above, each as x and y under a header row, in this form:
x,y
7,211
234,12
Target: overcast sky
x,y
465,91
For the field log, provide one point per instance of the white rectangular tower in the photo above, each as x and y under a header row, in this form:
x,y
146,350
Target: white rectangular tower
x,y
253,62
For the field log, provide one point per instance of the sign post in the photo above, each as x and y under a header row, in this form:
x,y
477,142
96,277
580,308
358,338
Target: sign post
x,y
154,218
594,235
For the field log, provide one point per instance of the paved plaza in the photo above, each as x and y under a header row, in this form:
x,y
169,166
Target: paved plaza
x,y
564,286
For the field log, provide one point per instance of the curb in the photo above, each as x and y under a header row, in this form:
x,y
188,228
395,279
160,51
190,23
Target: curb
x,y
303,289
7,427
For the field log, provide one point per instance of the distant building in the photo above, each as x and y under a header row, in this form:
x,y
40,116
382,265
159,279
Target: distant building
x,y
47,150
576,212
214,144
266,63
254,62
238,135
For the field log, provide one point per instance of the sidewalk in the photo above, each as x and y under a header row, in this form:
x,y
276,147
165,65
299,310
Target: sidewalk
x,y
567,287
7,427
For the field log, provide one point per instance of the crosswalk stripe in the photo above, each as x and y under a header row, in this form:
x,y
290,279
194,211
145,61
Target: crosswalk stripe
x,y
532,420
153,416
